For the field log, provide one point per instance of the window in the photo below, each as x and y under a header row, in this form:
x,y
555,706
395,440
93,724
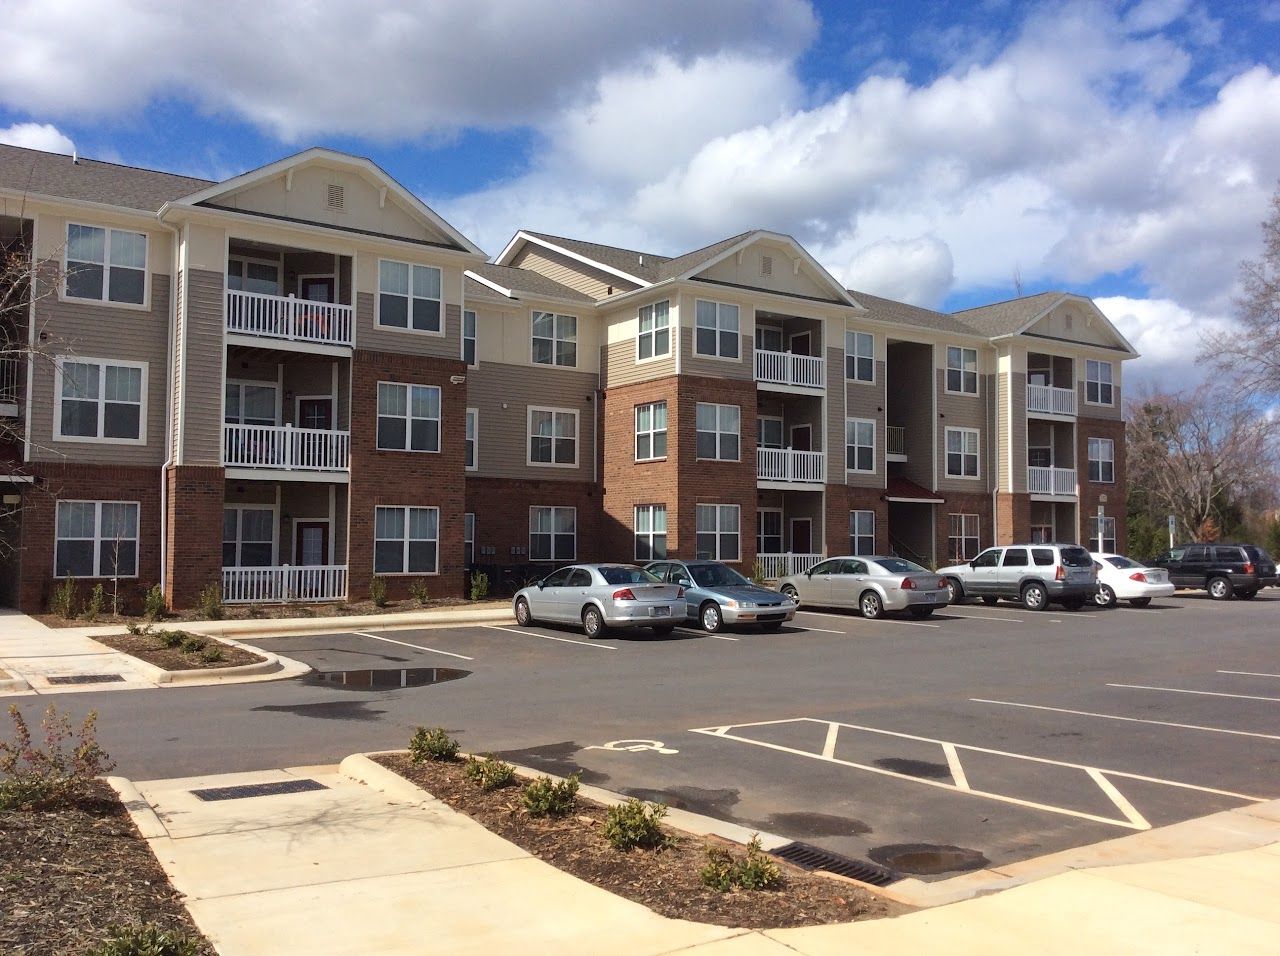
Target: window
x,y
96,539
473,439
1104,535
1102,459
406,540
100,400
107,265
962,453
717,532
248,403
862,532
768,432
408,417
962,370
768,338
555,339
716,331
859,444
654,339
468,539
988,559
253,275
769,531
962,537
409,297
469,338
1015,558
248,537
718,428
553,437
859,357
651,532
553,534
1097,383
1043,557
651,431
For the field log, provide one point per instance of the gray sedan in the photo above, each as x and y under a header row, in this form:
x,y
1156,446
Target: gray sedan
x,y
873,585
717,595
601,596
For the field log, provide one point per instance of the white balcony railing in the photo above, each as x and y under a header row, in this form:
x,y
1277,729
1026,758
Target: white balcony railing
x,y
895,440
287,317
780,565
317,582
285,447
783,464
9,390
1051,481
1050,400
784,368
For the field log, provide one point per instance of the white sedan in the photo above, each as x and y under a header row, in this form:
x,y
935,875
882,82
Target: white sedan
x,y
1123,579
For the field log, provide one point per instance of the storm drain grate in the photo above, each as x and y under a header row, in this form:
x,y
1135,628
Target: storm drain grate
x,y
259,790
87,679
809,857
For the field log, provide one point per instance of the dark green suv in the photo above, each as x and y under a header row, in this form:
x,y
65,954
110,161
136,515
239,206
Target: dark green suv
x,y
1221,569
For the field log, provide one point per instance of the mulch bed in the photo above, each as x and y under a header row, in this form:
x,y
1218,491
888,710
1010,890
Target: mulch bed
x,y
253,612
666,881
148,648
68,876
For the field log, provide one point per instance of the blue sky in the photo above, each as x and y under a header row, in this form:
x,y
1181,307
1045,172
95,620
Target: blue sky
x,y
939,153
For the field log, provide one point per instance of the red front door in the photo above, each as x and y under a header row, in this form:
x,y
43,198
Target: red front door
x,y
802,438
311,543
801,536
316,289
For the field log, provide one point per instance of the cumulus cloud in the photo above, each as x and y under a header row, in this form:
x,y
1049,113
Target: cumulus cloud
x,y
43,136
917,270
1168,335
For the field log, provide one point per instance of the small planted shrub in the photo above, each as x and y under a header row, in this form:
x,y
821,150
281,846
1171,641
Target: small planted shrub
x,y
433,744
35,777
93,607
378,592
479,586
490,773
545,797
210,604
192,643
213,654
636,825
754,871
147,939
757,573
154,605
418,590
170,639
65,598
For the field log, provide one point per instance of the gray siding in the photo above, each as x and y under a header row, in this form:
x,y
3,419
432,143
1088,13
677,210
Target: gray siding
x,y
202,402
964,411
864,400
1114,411
691,364
381,339
619,366
836,400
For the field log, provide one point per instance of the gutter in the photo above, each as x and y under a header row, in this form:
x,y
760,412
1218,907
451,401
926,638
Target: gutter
x,y
170,425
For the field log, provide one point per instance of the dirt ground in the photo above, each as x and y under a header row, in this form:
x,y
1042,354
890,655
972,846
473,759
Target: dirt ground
x,y
147,647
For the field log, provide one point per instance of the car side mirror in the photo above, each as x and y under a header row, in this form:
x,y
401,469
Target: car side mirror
x,y
809,573
541,585
973,564
684,582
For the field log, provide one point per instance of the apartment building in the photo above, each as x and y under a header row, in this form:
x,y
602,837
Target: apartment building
x,y
289,382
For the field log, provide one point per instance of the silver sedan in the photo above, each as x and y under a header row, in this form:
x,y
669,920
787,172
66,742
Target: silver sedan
x,y
601,596
873,585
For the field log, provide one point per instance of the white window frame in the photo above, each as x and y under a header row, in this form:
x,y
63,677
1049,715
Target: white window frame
x,y
102,363
853,338
653,511
652,431
239,384
963,370
720,327
1101,524
968,522
144,305
473,338
1109,459
652,332
555,510
409,418
404,563
555,339
857,532
529,436
848,443
768,329
976,453
782,432
240,508
1093,367
244,267
719,511
412,296
469,538
719,432
97,539
472,442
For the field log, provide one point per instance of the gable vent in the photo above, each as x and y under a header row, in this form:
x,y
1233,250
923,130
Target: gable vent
x,y
336,197
766,265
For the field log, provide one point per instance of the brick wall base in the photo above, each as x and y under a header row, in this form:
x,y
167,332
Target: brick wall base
x,y
1013,518
195,494
840,500
979,505
1092,493
501,507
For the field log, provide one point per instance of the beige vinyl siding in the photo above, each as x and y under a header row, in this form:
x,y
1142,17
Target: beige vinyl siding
x,y
202,404
964,411
747,269
380,339
1114,411
691,364
503,432
570,272
171,373
863,400
619,365
836,401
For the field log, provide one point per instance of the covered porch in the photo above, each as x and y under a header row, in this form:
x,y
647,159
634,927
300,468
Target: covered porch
x,y
913,521
789,532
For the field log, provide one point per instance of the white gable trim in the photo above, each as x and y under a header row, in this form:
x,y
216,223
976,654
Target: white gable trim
x,y
801,253
522,236
1072,297
489,283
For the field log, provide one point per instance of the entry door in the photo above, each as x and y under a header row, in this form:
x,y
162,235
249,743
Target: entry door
x,y
311,542
801,536
316,288
802,438
800,343
315,413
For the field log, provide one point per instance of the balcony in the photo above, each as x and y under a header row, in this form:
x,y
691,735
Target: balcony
x,y
313,583
786,368
785,465
10,389
285,448
781,565
1050,400
1051,481
289,318
895,443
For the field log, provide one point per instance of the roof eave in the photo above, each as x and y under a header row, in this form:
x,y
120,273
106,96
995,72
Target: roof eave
x,y
523,236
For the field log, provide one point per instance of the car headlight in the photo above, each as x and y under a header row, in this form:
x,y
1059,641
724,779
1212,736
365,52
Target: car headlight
x,y
746,604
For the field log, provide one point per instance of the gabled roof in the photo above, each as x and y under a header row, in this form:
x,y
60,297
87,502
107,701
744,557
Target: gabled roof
x,y
1009,317
630,264
35,172
899,313
511,282
700,258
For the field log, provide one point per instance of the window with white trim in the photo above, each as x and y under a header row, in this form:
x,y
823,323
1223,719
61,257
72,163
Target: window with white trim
x,y
248,537
651,431
769,338
469,539
654,338
962,370
249,403
472,460
409,297
769,432
96,539
406,540
1097,383
651,532
859,445
469,338
555,339
716,329
859,357
862,532
1104,534
100,400
553,533
769,531
962,537
962,452
553,437
253,275
1102,460
718,428
718,532
408,417
106,265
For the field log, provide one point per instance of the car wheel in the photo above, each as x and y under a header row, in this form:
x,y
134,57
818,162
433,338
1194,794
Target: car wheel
x,y
955,591
921,612
664,630
1073,604
871,606
990,600
710,617
524,617
1247,594
792,593
771,626
1034,597
593,622
1219,589
1105,596
1139,602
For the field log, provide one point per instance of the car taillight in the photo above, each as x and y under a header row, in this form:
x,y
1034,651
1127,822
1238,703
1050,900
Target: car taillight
x,y
942,584
907,584
1138,576
1059,573
1248,567
624,595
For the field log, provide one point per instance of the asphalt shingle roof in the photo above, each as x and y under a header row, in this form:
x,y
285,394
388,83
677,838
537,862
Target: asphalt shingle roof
x,y
615,257
523,280
53,174
899,313
1005,318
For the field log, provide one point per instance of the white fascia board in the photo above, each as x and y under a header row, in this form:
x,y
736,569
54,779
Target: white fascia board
x,y
523,236
778,237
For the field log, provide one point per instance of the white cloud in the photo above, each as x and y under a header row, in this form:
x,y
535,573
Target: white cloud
x,y
917,270
1169,337
43,136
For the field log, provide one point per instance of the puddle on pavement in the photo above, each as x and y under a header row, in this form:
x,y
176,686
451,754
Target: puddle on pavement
x,y
385,678
927,859
915,768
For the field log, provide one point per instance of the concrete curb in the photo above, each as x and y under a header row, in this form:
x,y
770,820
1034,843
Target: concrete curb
x,y
379,622
144,817
271,667
363,769
14,685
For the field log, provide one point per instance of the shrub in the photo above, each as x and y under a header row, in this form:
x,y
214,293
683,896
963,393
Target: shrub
x,y
57,774
210,604
93,608
757,573
170,639
192,643
378,592
636,825
213,654
754,871
147,939
137,630
418,590
65,598
479,586
433,744
545,797
154,604
490,773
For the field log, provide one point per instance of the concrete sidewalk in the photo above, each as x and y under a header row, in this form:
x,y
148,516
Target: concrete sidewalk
x,y
382,867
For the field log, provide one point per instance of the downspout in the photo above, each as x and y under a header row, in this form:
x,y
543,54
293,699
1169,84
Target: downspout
x,y
169,423
993,444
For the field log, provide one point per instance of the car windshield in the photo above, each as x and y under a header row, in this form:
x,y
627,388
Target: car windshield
x,y
621,574
900,566
1076,558
716,576
1120,561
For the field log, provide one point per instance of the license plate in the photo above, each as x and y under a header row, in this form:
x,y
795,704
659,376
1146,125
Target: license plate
x,y
659,611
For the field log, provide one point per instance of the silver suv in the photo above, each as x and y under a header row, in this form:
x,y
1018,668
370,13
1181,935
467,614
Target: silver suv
x,y
1034,574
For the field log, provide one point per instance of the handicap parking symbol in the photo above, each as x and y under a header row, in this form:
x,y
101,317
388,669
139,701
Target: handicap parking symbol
x,y
634,746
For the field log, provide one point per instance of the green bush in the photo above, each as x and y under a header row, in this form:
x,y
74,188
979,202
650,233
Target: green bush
x,y
210,605
754,871
757,573
170,639
137,630
193,643
33,777
213,654
93,608
545,797
479,586
433,744
154,604
418,590
147,939
378,592
65,598
490,773
636,825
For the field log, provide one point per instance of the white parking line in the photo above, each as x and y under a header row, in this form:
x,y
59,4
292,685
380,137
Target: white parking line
x,y
722,637
1249,673
1133,720
549,637
1203,693
981,617
420,647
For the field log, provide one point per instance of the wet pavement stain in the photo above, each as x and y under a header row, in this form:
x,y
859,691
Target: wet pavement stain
x,y
801,824
915,768
326,710
556,759
385,679
711,803
928,859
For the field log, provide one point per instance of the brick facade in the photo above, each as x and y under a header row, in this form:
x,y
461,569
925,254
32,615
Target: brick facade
x,y
840,500
980,505
1013,518
194,529
501,507
1092,492
627,482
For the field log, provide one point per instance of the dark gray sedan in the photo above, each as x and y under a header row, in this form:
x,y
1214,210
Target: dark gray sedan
x,y
716,595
